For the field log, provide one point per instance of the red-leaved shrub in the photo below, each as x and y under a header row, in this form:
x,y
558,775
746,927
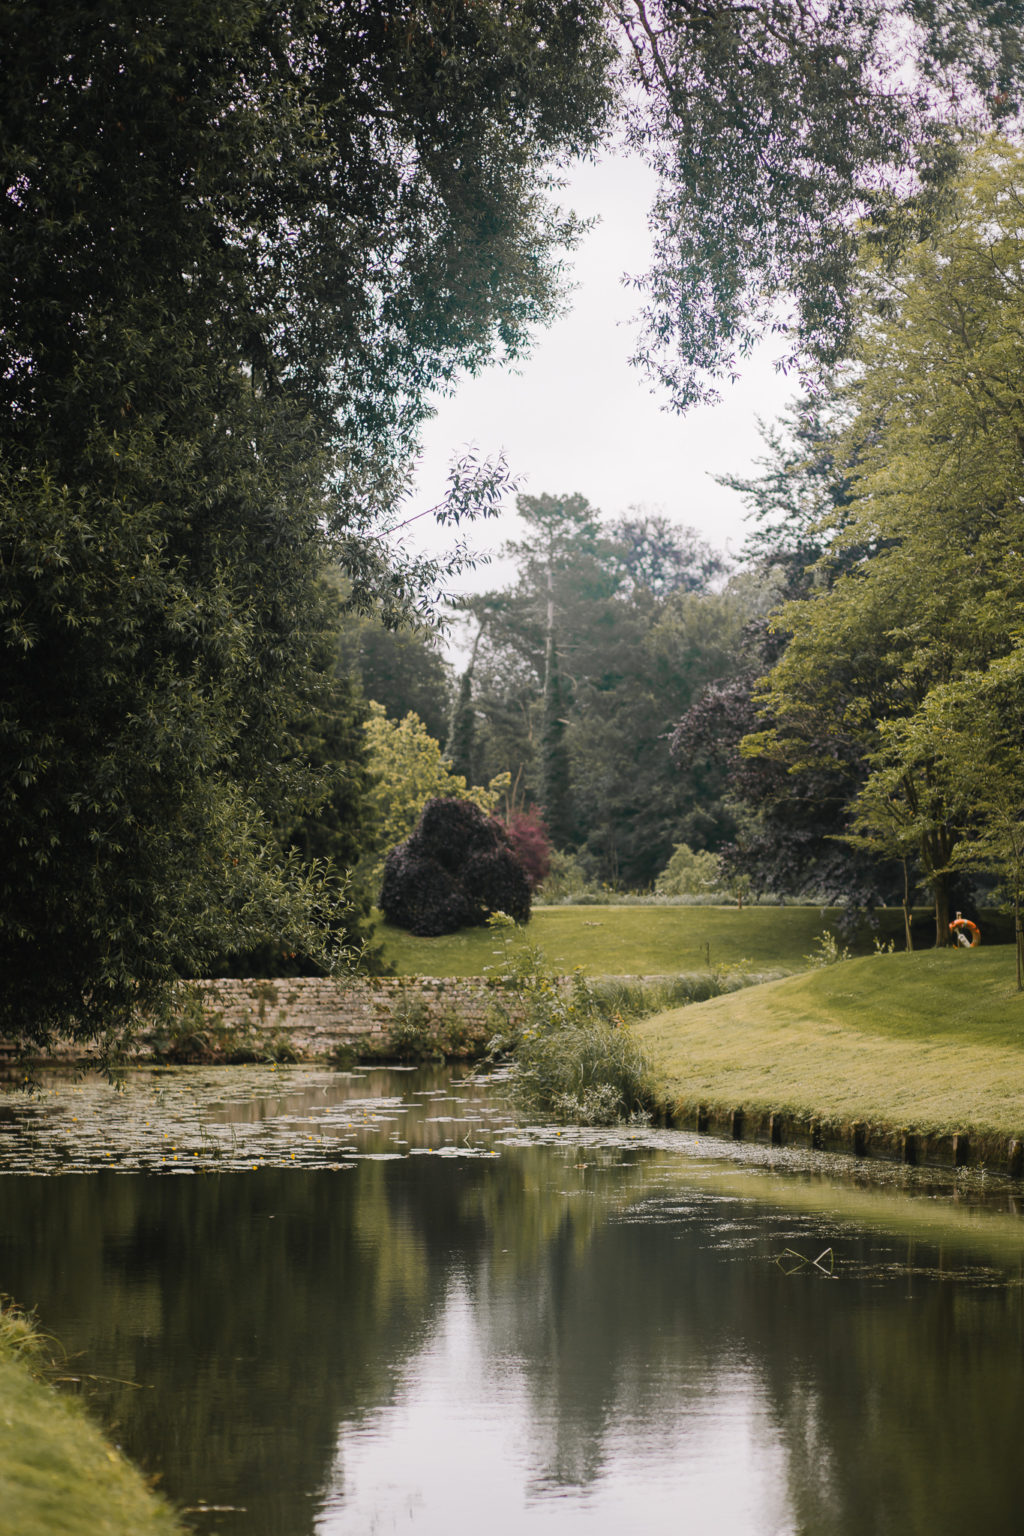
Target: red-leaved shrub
x,y
530,843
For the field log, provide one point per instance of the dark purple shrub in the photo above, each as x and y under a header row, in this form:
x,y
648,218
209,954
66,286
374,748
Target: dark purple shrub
x,y
455,869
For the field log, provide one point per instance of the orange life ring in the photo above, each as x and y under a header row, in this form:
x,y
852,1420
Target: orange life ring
x,y
963,925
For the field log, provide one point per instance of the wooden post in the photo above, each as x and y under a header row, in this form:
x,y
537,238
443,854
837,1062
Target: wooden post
x,y
736,1124
961,1149
1016,1159
908,1148
702,1119
775,1125
817,1139
860,1138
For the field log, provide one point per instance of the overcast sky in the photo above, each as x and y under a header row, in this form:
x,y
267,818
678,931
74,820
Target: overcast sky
x,y
576,417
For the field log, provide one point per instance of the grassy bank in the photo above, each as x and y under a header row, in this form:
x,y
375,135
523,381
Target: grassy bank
x,y
636,941
931,1043
58,1475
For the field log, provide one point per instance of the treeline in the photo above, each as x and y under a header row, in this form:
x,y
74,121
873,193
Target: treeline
x,y
841,714
897,699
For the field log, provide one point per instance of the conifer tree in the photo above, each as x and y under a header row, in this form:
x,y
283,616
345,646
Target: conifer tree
x,y
461,746
556,788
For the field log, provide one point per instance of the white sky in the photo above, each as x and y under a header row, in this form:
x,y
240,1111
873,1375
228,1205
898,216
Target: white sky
x,y
576,417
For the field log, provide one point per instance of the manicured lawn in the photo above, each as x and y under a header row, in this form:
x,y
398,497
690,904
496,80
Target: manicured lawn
x,y
58,1475
930,1041
630,941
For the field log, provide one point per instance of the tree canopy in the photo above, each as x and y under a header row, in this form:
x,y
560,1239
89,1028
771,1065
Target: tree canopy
x,y
238,248
921,627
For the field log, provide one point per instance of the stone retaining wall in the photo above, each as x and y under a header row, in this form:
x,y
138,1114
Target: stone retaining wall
x,y
370,1015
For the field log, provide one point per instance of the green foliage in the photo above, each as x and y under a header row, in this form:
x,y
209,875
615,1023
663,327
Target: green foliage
x,y
215,356
565,881
569,1059
688,873
884,666
414,1035
400,669
407,768
411,1035
775,127
460,749
828,951
555,782
217,351
185,1031
608,633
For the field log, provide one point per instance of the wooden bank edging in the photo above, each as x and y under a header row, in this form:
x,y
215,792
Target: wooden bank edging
x,y
969,1147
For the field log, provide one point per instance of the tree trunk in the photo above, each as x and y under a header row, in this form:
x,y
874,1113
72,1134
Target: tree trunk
x,y
941,887
908,916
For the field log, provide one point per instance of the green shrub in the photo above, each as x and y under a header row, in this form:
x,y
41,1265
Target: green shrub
x,y
588,1072
690,874
415,1036
571,1056
412,1036
828,951
566,882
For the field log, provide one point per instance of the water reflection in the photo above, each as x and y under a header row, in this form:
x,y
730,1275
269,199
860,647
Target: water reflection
x,y
520,1329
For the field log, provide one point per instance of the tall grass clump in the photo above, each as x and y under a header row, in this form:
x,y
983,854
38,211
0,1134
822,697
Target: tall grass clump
x,y
571,1056
19,1338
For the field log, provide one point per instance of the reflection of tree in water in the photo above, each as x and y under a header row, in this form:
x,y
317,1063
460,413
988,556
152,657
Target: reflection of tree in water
x,y
260,1314
883,1392
257,1313
263,1313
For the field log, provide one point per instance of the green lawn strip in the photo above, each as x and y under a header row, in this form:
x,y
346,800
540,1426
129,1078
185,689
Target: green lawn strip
x,y
932,1042
58,1475
631,941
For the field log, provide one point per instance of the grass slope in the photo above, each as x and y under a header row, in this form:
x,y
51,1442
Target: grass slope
x,y
932,1041
628,941
58,1475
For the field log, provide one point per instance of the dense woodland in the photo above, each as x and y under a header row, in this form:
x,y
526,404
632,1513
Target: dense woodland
x,y
240,252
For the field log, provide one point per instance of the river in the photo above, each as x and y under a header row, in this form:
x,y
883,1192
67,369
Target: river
x,y
357,1304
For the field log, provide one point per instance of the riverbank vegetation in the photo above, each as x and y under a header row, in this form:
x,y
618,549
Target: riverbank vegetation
x,y
932,1042
59,1476
567,1047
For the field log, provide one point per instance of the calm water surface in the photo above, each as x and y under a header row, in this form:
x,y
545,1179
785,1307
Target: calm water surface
x,y
346,1305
